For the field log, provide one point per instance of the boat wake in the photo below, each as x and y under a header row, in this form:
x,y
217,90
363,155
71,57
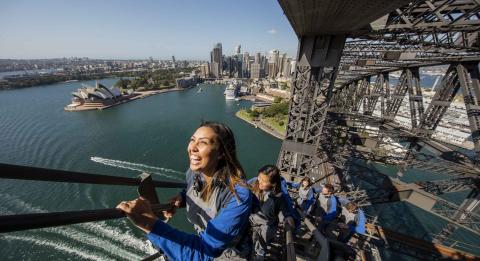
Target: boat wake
x,y
164,172
91,241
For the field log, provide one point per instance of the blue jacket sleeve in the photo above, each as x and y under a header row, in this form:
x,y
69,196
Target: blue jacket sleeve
x,y
294,185
252,181
310,199
360,227
289,201
332,209
211,243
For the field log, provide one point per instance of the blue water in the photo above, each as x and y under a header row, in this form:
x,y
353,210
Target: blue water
x,y
144,135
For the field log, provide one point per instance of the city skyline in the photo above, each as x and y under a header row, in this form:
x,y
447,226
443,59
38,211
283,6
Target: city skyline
x,y
125,30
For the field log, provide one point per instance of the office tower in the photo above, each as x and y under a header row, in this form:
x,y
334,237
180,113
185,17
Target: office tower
x,y
256,71
257,58
246,65
287,67
216,61
293,65
273,63
281,64
237,49
205,70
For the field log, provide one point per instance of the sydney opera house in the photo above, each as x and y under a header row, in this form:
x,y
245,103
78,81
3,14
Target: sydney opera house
x,y
96,97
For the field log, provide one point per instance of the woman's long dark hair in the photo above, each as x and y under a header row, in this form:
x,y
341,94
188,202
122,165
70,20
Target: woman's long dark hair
x,y
229,171
274,178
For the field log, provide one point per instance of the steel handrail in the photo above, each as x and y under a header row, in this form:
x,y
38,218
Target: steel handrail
x,y
10,223
8,171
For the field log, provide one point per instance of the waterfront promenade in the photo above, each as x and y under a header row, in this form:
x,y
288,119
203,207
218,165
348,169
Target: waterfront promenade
x,y
260,124
134,96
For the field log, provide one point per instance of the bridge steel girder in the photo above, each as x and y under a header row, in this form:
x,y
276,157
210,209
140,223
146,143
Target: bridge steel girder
x,y
362,87
415,96
470,205
441,101
468,75
446,24
312,88
439,187
397,96
381,90
409,81
396,190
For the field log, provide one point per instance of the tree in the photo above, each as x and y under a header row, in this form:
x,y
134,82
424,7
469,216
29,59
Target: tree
x,y
122,83
276,109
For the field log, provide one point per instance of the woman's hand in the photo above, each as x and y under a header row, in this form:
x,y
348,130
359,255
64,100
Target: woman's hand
x,y
290,221
140,212
175,203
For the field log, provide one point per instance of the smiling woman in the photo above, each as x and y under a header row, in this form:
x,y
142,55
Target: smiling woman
x,y
217,199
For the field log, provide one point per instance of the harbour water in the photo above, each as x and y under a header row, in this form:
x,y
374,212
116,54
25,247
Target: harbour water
x,y
148,135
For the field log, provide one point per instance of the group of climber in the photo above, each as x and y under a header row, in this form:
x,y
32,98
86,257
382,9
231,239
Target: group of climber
x,y
235,219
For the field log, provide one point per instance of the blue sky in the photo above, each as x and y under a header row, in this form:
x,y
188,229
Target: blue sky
x,y
140,29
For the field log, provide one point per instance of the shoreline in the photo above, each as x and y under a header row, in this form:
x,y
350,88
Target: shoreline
x,y
137,96
262,126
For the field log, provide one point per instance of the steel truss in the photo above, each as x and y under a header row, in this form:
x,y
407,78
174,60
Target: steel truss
x,y
315,74
334,103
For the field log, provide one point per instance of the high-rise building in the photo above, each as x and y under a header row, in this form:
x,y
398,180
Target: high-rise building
x,y
237,49
293,65
273,58
256,71
272,70
287,67
174,64
229,64
238,65
257,58
246,65
216,61
281,64
205,70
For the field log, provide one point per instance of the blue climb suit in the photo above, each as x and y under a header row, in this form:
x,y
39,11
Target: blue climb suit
x,y
306,197
221,224
326,207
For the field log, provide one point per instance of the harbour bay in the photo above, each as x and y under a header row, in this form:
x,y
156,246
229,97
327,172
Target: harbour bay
x,y
148,135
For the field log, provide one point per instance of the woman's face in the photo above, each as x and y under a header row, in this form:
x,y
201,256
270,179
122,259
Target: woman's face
x,y
264,182
305,183
325,191
203,151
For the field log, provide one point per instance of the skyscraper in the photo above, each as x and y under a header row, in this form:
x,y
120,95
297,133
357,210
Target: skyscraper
x,y
273,63
287,67
246,65
257,58
205,70
281,64
216,61
237,49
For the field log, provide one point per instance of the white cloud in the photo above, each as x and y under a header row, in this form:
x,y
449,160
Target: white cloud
x,y
272,31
